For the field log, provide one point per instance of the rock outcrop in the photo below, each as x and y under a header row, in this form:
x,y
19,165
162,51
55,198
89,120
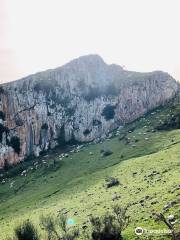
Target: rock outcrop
x,y
80,101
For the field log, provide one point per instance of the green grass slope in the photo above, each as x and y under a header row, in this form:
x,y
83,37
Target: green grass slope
x,y
146,162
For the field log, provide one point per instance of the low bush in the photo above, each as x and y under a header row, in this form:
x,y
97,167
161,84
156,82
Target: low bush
x,y
44,126
26,231
3,129
131,129
7,166
109,226
111,181
15,143
121,137
106,152
56,228
1,90
61,137
108,112
171,123
2,115
86,132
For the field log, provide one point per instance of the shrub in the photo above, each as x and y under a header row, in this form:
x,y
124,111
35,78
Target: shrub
x,y
127,141
1,90
50,225
172,123
110,226
111,181
131,129
54,165
174,231
7,165
15,143
61,136
44,126
122,136
108,112
26,231
2,130
18,120
2,115
13,170
86,132
106,152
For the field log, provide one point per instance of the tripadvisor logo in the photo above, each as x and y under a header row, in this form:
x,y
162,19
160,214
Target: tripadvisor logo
x,y
139,231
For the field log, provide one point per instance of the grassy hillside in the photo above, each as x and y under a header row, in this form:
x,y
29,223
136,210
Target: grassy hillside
x,y
146,162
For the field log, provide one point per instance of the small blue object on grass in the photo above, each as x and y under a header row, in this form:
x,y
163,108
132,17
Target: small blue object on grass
x,y
70,221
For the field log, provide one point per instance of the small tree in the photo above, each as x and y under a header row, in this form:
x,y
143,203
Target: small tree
x,y
62,222
26,231
121,216
108,112
15,143
174,234
111,181
7,165
106,152
55,225
48,224
110,226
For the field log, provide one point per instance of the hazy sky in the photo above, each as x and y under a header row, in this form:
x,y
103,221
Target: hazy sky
x,y
35,35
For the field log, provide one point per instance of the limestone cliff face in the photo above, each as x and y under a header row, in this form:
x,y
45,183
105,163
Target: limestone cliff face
x,y
81,101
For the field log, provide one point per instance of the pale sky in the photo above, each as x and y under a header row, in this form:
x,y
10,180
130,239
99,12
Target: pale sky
x,y
35,35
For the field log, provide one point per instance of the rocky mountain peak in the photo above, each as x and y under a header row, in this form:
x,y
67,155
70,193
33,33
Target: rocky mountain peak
x,y
81,101
88,60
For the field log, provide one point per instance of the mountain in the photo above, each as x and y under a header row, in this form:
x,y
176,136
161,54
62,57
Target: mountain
x,y
81,101
143,158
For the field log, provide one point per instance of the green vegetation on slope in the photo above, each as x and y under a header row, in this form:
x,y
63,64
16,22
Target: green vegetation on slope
x,y
145,162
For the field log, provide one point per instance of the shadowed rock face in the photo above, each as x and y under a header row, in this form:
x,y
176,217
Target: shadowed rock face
x,y
81,101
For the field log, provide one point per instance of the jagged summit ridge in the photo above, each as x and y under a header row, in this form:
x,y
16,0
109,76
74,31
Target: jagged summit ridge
x,y
90,68
91,59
